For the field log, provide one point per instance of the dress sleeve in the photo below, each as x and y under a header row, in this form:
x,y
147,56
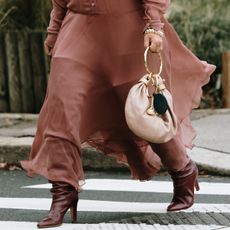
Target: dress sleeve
x,y
56,17
154,10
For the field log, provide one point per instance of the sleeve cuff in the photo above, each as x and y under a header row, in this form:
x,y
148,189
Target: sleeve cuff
x,y
153,18
154,24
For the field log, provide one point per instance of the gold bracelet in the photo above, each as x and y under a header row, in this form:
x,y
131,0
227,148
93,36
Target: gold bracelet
x,y
158,32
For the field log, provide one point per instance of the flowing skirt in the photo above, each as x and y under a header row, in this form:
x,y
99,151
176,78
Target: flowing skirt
x,y
95,61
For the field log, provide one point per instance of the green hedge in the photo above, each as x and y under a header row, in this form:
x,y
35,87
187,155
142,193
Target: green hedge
x,y
203,25
24,14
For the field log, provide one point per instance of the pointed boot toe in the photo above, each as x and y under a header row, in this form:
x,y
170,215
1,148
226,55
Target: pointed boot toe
x,y
48,223
177,206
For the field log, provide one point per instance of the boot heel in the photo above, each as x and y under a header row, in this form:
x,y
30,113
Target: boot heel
x,y
197,187
73,213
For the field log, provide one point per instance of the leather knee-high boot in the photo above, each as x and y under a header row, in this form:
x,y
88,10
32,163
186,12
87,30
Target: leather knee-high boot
x,y
64,197
182,170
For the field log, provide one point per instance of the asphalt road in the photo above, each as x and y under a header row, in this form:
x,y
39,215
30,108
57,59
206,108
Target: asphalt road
x,y
111,197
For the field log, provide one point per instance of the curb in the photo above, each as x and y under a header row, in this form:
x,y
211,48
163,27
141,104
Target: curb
x,y
16,141
213,162
18,149
210,161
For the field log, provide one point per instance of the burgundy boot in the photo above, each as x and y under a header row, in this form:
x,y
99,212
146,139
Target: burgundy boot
x,y
64,197
184,182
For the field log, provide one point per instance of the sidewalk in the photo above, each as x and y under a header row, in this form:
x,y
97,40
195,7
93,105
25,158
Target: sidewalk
x,y
212,151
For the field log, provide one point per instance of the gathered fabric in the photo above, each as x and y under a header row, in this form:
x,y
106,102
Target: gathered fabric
x,y
97,57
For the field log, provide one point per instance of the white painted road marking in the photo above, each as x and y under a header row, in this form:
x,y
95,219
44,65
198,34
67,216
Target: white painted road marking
x,y
116,206
13,225
108,206
148,186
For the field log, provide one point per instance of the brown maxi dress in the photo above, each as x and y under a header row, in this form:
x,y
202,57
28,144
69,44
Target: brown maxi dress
x,y
97,57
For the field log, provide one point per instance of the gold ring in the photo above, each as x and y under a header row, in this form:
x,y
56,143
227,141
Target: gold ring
x,y
146,62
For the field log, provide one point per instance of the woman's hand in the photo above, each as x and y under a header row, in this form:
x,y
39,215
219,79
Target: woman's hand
x,y
155,42
48,49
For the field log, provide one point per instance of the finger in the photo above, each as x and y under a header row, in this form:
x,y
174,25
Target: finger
x,y
153,47
47,49
158,46
146,41
50,52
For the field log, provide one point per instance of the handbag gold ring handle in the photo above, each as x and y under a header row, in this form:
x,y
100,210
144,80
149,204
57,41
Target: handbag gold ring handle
x,y
146,62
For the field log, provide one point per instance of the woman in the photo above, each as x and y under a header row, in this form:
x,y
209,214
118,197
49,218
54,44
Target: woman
x,y
97,55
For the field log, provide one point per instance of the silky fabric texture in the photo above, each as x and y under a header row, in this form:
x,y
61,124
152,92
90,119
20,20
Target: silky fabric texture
x,y
97,58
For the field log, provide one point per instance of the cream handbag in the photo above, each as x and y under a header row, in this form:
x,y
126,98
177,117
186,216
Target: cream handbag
x,y
151,116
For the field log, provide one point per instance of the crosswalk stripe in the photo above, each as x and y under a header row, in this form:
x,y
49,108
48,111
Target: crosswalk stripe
x,y
13,225
148,186
108,206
